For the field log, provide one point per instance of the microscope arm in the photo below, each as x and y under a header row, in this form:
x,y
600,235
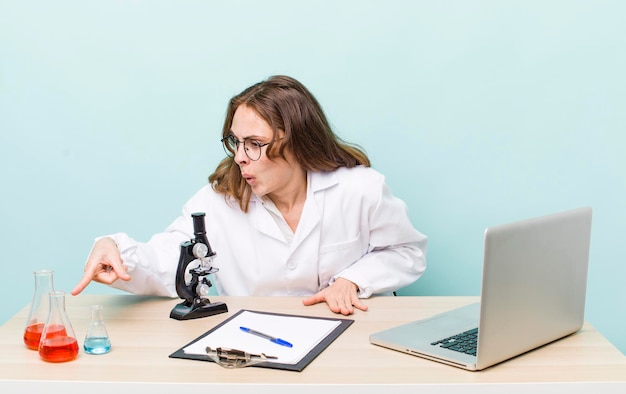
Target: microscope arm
x,y
186,257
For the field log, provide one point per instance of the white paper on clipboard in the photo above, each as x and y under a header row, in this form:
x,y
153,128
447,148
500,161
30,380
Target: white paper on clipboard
x,y
302,332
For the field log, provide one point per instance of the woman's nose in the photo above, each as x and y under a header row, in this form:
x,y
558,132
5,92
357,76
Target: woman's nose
x,y
240,154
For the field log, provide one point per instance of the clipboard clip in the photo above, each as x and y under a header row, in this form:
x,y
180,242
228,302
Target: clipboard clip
x,y
234,358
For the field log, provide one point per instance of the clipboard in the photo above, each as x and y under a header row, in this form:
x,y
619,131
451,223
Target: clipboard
x,y
339,328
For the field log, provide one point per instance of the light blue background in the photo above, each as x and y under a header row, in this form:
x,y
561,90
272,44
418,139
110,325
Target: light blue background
x,y
478,112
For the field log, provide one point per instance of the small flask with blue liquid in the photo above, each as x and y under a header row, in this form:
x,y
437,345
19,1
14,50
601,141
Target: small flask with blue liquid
x,y
97,339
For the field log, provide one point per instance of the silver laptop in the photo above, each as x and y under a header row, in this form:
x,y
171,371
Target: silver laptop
x,y
533,292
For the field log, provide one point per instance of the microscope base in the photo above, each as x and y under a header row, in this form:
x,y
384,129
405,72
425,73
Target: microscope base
x,y
186,312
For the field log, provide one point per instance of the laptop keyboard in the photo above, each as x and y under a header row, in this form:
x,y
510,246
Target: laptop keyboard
x,y
464,342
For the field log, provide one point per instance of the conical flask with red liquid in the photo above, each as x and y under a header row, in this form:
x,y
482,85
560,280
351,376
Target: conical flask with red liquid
x,y
58,342
39,309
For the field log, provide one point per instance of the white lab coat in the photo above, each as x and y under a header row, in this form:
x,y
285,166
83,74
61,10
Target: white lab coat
x,y
351,227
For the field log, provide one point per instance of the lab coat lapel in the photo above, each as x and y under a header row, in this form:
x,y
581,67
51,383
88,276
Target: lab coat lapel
x,y
263,221
313,207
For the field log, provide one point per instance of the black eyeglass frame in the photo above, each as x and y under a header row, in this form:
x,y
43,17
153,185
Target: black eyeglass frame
x,y
226,144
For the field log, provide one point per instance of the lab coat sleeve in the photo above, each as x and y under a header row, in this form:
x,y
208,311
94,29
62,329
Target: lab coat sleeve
x,y
396,255
152,265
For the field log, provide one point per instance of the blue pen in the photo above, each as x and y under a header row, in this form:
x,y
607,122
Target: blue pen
x,y
278,341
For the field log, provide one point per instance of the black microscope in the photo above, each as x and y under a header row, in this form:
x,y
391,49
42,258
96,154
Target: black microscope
x,y
196,302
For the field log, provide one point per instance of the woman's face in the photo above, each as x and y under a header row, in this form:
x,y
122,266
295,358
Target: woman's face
x,y
266,177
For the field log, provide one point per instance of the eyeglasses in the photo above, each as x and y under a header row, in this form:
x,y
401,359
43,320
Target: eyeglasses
x,y
252,148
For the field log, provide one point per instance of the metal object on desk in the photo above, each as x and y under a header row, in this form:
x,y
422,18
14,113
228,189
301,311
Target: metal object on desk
x,y
196,302
234,358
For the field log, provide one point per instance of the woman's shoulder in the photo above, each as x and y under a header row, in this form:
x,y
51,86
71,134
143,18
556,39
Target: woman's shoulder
x,y
358,175
354,181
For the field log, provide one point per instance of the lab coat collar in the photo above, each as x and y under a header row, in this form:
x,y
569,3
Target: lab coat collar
x,y
318,181
312,212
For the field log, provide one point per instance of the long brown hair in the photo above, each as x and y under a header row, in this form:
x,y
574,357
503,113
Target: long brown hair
x,y
287,106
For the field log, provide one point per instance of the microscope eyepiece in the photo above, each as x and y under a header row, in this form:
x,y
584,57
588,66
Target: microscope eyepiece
x,y
198,223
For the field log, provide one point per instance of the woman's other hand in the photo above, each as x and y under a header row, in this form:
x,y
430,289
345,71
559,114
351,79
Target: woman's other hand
x,y
341,297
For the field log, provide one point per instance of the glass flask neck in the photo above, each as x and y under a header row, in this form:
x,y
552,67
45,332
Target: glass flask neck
x,y
96,312
57,301
43,286
39,308
43,278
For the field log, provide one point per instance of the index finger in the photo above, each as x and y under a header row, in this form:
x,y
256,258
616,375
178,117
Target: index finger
x,y
88,276
86,279
105,272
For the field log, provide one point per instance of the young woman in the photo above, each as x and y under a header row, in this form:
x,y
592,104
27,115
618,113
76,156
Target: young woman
x,y
292,210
